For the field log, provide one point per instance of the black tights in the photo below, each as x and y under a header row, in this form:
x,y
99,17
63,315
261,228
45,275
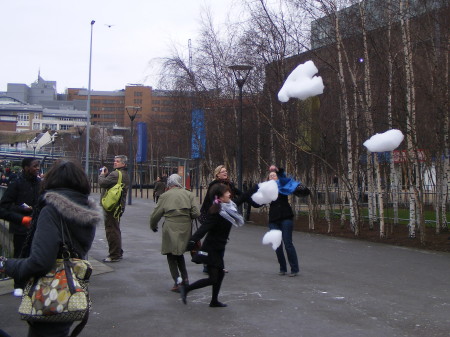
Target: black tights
x,y
215,278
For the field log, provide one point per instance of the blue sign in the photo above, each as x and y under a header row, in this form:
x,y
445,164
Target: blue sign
x,y
198,144
141,155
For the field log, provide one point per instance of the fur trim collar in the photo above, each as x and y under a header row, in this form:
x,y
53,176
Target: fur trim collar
x,y
90,215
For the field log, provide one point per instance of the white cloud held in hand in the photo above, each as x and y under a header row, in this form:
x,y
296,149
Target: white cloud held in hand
x,y
267,192
382,142
301,83
272,237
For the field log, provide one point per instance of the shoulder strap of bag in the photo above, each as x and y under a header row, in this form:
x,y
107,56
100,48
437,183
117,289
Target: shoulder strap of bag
x,y
119,181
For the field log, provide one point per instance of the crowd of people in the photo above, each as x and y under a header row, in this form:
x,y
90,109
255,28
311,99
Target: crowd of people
x,y
35,208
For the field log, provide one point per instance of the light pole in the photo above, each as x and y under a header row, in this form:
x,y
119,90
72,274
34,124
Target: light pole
x,y
55,134
88,120
240,72
131,111
80,131
34,144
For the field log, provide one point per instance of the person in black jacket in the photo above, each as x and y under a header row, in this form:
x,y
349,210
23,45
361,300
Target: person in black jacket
x,y
220,177
281,217
17,206
221,216
65,199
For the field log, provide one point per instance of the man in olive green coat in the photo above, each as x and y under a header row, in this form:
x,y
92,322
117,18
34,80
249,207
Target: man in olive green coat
x,y
178,207
107,180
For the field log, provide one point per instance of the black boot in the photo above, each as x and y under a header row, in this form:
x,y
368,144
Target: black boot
x,y
217,304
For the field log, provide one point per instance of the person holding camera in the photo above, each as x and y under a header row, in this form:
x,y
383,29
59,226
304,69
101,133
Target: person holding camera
x,y
107,180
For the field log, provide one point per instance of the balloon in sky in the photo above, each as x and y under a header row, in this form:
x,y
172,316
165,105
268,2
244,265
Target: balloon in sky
x,y
301,83
387,141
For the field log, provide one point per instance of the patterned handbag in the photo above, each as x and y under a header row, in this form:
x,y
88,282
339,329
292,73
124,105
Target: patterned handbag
x,y
62,294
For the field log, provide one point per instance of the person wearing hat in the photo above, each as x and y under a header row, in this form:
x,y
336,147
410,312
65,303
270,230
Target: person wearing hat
x,y
178,207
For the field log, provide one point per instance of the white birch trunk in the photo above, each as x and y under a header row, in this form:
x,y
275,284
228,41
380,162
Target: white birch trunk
x,y
410,122
350,172
446,164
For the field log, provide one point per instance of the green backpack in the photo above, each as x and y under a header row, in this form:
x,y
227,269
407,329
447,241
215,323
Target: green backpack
x,y
111,199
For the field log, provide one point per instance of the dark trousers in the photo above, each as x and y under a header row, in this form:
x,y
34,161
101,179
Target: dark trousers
x,y
215,279
18,242
113,236
177,266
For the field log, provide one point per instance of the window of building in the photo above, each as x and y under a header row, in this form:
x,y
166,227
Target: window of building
x,y
65,127
137,94
138,101
49,126
23,116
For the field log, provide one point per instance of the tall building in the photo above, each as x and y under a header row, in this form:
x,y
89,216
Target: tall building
x,y
108,108
38,107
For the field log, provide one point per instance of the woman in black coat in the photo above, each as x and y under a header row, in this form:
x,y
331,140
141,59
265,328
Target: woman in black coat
x,y
64,199
221,216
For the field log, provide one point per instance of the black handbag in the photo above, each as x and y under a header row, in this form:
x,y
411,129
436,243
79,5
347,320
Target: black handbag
x,y
198,244
200,257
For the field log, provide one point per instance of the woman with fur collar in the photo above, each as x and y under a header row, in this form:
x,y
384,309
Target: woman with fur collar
x,y
64,198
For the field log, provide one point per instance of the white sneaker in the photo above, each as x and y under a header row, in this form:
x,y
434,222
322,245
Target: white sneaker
x,y
18,292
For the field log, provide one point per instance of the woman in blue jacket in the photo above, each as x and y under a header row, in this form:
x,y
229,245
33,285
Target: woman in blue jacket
x,y
281,217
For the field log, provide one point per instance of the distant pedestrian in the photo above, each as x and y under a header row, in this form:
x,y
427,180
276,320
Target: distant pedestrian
x,y
17,206
281,217
178,207
159,188
3,181
107,180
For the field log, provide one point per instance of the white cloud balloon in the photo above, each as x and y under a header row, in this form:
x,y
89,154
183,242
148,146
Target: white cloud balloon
x,y
301,83
272,237
267,192
382,142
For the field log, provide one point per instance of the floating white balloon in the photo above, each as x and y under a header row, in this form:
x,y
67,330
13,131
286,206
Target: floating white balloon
x,y
301,83
382,142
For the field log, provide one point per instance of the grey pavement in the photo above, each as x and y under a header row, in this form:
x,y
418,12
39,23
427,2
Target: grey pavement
x,y
345,288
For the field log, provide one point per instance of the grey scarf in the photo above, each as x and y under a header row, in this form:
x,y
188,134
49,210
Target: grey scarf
x,y
229,212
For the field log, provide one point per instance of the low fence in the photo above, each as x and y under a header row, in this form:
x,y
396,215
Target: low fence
x,y
6,243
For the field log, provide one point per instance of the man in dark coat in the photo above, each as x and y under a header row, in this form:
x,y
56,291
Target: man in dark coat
x,y
107,180
16,206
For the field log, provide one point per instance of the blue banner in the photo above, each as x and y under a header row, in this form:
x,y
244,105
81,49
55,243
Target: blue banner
x,y
141,155
198,143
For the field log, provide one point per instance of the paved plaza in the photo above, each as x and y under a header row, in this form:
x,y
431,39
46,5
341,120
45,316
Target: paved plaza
x,y
345,288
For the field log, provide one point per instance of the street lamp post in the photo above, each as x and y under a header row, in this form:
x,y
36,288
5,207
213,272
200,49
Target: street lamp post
x,y
55,134
80,131
132,112
34,144
88,120
240,72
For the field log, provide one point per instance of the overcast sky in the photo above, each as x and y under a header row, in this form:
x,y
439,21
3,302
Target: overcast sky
x,y
53,36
